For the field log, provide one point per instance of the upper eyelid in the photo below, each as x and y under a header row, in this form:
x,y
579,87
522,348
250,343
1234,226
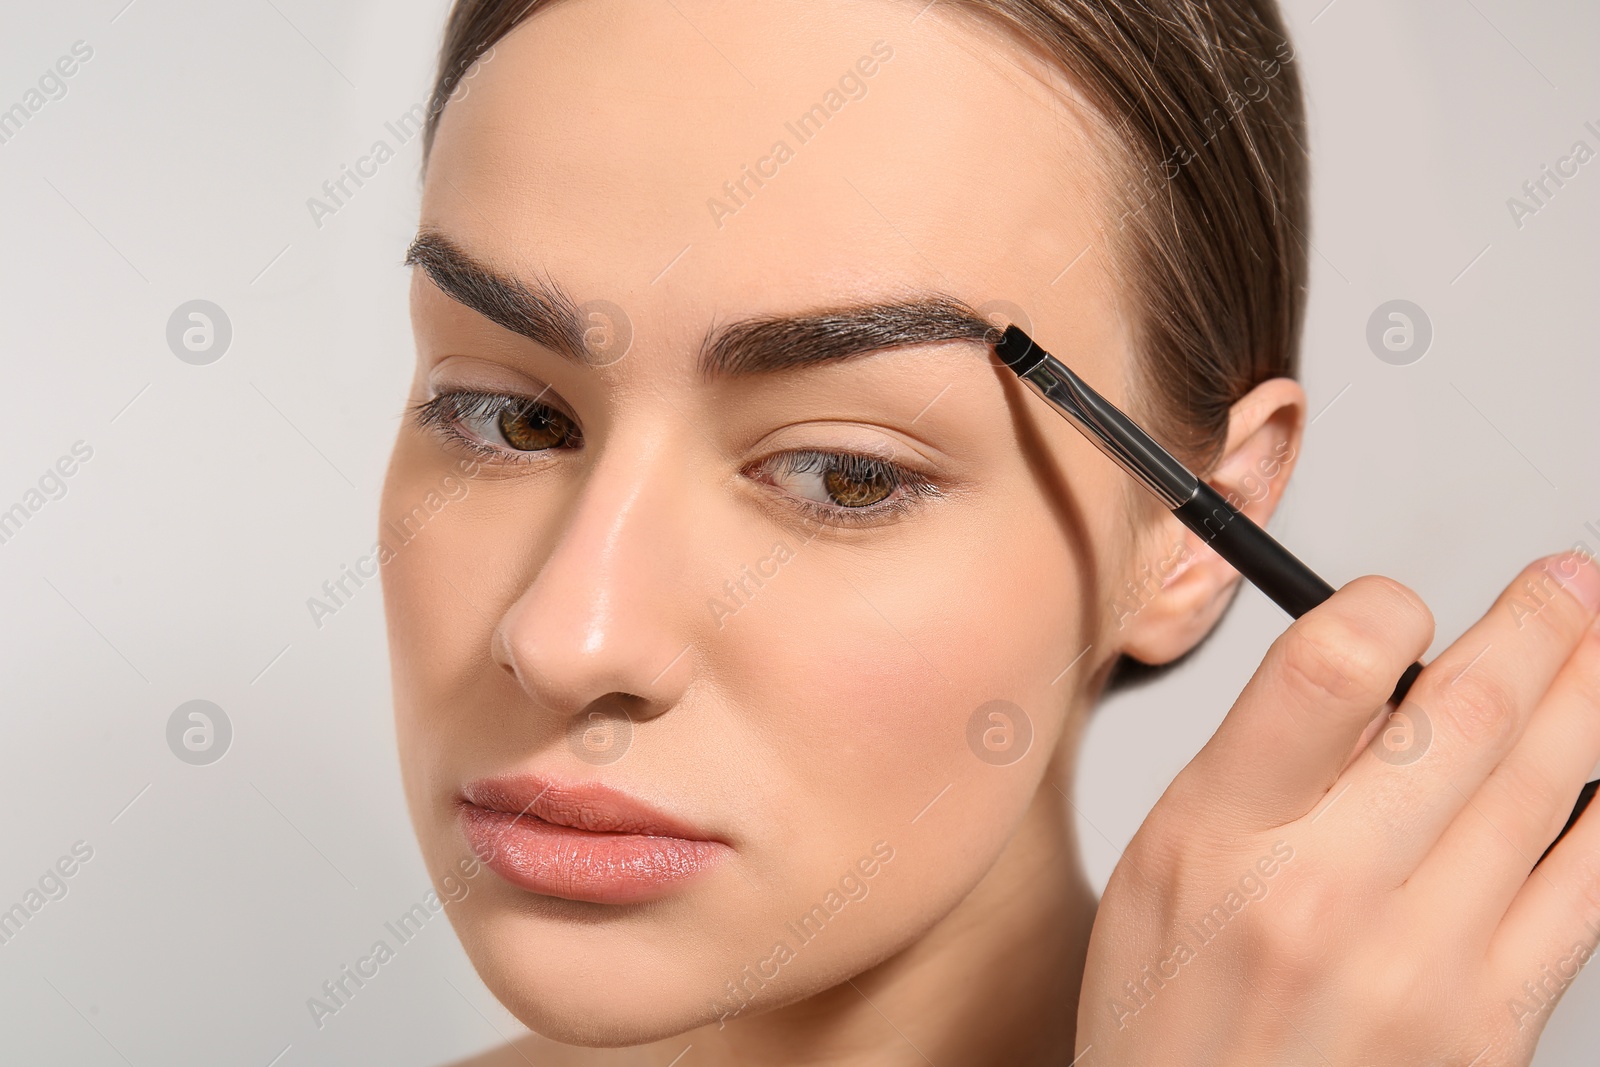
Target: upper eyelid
x,y
908,483
906,476
436,415
888,441
884,455
901,472
485,366
546,395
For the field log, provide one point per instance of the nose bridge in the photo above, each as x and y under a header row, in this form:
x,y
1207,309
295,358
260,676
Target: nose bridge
x,y
605,612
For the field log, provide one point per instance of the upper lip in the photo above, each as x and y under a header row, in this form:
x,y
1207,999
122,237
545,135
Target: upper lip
x,y
579,805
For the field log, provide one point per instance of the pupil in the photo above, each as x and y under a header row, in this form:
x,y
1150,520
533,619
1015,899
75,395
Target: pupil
x,y
853,492
533,429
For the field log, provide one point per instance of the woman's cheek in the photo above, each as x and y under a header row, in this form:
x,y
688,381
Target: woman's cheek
x,y
865,684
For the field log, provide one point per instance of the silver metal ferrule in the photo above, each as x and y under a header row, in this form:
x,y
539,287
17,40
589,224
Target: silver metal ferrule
x,y
1111,431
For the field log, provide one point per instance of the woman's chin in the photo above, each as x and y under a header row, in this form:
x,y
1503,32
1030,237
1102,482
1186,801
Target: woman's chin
x,y
596,1013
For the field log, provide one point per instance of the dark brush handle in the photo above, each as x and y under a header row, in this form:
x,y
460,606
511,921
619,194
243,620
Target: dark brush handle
x,y
1289,583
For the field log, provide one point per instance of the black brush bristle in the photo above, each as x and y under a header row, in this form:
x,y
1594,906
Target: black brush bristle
x,y
1017,350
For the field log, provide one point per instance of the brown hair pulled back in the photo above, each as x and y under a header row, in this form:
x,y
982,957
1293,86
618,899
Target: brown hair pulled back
x,y
1206,103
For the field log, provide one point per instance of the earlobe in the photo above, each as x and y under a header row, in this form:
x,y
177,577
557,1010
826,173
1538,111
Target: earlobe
x,y
1183,586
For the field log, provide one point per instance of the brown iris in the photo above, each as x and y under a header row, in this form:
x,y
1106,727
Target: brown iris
x,y
535,427
851,490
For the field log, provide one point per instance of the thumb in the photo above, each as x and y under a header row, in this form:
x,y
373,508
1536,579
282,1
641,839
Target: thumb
x,y
1301,716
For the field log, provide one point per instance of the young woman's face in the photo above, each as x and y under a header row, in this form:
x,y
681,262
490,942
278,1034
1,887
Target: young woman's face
x,y
708,695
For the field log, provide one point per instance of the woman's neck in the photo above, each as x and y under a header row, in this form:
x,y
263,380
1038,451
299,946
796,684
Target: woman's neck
x,y
995,981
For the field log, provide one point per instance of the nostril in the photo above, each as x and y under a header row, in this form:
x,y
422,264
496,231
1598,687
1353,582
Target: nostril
x,y
637,708
501,652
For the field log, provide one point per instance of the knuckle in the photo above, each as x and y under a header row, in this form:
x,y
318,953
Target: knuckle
x,y
1479,706
1326,656
1157,847
1296,933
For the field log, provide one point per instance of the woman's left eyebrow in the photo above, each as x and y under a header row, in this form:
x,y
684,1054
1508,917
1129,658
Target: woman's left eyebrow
x,y
543,312
772,343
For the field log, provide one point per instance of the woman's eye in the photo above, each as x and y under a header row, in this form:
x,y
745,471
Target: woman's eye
x,y
533,428
845,487
853,491
500,423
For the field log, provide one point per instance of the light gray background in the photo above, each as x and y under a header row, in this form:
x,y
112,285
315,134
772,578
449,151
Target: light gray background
x,y
220,497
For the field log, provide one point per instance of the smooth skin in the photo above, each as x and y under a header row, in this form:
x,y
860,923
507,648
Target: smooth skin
x,y
1405,927
831,711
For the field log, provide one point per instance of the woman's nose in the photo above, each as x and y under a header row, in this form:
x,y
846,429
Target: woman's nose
x,y
607,621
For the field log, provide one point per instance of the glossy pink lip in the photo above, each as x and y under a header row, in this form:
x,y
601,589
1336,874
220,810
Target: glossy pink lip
x,y
581,842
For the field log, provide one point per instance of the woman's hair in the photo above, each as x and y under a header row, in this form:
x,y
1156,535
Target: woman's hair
x,y
1205,100
1211,186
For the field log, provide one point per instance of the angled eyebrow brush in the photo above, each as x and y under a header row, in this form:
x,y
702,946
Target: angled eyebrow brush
x,y
1248,548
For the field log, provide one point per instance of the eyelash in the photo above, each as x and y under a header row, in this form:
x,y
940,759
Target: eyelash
x,y
906,488
445,414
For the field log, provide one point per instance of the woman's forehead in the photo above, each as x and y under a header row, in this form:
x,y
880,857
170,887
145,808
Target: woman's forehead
x,y
711,148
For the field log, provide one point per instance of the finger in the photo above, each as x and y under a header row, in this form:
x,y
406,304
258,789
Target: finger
x,y
1483,859
1290,732
1466,711
1552,926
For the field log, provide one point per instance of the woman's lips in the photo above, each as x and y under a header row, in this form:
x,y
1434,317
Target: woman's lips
x,y
581,842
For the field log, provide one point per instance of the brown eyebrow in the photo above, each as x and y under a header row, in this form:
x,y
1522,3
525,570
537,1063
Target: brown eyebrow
x,y
541,312
544,312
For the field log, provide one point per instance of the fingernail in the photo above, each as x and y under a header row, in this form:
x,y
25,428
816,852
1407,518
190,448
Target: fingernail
x,y
1576,571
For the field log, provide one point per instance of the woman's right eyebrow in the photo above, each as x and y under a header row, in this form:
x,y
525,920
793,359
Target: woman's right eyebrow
x,y
545,313
541,312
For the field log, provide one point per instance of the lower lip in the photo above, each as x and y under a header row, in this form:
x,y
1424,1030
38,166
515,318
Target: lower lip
x,y
603,868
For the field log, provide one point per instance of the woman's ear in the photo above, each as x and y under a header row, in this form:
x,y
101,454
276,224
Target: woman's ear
x,y
1179,586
